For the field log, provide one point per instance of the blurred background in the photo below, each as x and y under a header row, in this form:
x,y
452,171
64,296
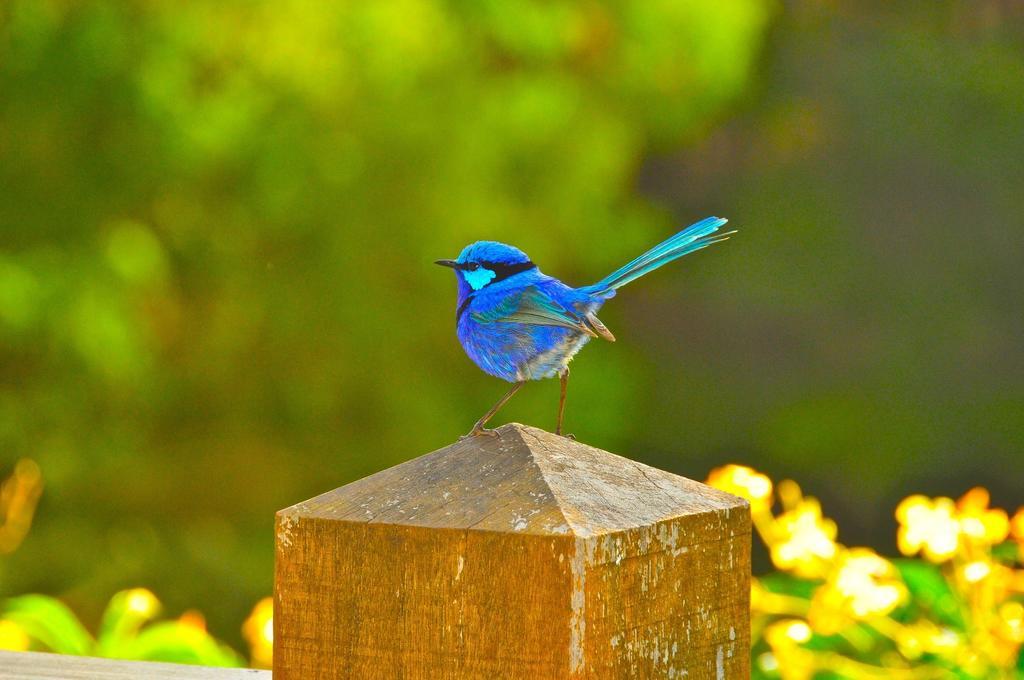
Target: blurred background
x,y
218,221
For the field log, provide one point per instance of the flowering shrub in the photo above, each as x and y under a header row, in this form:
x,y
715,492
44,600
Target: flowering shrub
x,y
956,610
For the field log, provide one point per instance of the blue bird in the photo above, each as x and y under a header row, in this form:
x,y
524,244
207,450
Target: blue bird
x,y
519,324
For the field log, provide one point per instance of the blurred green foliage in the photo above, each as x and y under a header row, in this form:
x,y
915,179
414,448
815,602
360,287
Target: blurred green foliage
x,y
126,631
217,224
863,333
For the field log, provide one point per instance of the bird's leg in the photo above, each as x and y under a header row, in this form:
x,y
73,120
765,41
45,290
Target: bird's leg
x,y
478,429
564,379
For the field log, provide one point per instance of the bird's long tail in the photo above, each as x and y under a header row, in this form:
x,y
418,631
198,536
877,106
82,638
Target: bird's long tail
x,y
696,236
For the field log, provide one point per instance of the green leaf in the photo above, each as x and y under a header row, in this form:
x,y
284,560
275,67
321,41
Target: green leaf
x,y
829,643
49,622
930,591
1006,552
125,615
179,643
786,584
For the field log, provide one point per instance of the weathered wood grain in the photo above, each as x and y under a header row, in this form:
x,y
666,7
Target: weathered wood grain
x,y
525,555
39,666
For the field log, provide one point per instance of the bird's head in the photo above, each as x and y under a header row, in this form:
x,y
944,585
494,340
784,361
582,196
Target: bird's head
x,y
487,262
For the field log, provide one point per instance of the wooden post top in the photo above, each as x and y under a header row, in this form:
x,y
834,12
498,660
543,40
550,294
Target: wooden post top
x,y
524,480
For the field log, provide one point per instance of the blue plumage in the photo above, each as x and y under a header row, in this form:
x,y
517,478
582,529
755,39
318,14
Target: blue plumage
x,y
519,324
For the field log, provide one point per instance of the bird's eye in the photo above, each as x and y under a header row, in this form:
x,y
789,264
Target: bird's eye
x,y
472,266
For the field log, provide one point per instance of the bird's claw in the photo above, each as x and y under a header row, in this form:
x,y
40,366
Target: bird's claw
x,y
479,432
570,436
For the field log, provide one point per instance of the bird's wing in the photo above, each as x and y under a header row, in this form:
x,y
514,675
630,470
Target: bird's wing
x,y
531,305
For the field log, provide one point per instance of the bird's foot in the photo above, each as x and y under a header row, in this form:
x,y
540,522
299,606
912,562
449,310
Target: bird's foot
x,y
479,432
569,436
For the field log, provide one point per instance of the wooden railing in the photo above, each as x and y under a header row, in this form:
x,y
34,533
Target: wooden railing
x,y
524,555
38,666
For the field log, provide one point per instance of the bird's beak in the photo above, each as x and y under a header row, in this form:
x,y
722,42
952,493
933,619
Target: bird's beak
x,y
447,263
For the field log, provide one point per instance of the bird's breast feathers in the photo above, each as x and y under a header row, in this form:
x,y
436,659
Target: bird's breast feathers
x,y
494,327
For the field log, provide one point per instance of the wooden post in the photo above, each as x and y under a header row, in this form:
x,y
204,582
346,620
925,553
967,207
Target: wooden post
x,y
525,555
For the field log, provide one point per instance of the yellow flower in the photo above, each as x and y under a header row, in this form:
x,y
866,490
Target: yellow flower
x,y
1002,581
1017,525
12,637
925,637
802,541
929,526
141,602
757,593
863,584
258,630
976,571
193,619
870,583
979,523
792,661
1011,624
745,482
1015,579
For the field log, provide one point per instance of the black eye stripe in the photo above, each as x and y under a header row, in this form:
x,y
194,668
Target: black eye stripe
x,y
503,271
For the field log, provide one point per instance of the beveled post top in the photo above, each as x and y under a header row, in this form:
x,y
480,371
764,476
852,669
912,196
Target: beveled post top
x,y
523,480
